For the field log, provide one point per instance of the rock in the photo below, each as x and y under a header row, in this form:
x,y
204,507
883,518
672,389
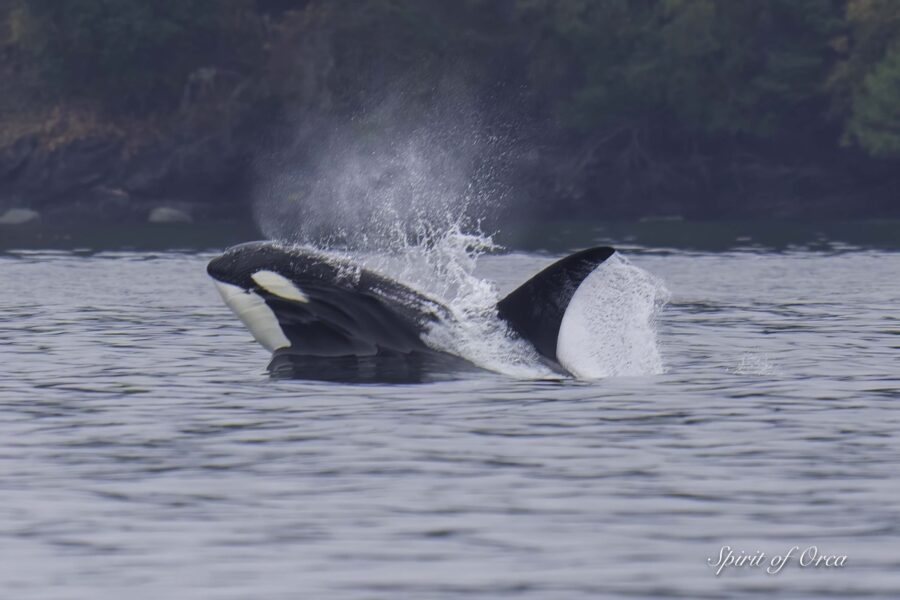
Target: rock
x,y
112,204
113,194
19,216
167,214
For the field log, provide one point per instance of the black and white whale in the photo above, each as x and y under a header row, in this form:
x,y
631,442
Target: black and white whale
x,y
323,317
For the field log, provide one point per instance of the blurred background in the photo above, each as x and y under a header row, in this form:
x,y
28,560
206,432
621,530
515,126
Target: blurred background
x,y
194,110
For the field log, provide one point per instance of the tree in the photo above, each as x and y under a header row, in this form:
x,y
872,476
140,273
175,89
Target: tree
x,y
865,83
875,121
135,54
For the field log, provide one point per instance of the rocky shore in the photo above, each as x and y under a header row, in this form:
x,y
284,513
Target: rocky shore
x,y
65,171
207,175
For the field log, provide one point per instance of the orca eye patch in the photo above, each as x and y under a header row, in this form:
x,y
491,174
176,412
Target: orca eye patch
x,y
278,285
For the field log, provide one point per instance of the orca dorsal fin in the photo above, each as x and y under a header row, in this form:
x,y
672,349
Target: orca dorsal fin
x,y
535,309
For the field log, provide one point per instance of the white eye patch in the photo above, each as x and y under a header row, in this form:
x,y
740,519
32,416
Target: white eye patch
x,y
279,285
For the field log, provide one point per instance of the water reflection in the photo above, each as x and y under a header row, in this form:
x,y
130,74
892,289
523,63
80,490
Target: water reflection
x,y
415,367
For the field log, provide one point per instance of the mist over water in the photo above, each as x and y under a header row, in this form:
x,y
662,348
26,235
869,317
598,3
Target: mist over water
x,y
385,177
405,192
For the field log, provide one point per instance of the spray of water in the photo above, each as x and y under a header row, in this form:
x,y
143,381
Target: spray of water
x,y
406,197
388,178
609,328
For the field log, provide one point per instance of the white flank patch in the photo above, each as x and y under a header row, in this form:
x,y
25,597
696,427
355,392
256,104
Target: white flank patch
x,y
279,285
608,328
255,314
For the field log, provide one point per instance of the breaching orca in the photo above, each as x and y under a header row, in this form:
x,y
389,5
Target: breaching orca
x,y
324,318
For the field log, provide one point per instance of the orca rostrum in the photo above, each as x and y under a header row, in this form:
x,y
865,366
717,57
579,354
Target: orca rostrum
x,y
316,313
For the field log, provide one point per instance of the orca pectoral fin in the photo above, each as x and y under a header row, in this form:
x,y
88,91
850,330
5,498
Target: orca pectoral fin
x,y
335,321
535,309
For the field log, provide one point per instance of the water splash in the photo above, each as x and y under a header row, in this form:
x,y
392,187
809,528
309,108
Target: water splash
x,y
392,176
407,199
609,328
441,265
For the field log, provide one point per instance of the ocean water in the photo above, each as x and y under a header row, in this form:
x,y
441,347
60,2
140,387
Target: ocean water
x,y
145,453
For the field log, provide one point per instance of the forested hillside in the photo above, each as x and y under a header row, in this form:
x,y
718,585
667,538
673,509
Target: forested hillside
x,y
695,108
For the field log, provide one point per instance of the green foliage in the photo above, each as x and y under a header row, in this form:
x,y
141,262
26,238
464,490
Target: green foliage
x,y
865,83
705,71
871,28
715,68
875,121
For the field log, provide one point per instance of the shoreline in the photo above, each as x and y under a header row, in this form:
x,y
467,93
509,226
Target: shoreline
x,y
635,235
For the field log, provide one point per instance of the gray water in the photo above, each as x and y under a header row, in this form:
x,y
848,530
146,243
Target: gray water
x,y
144,452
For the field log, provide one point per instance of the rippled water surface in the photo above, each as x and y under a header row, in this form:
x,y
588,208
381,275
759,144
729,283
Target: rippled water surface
x,y
145,453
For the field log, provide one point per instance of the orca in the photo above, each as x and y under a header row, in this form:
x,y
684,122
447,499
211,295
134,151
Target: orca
x,y
327,318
